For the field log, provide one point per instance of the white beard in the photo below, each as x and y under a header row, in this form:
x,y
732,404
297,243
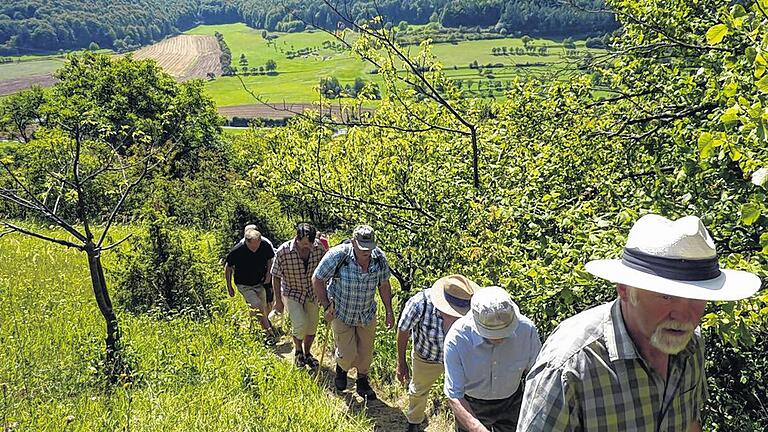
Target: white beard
x,y
669,343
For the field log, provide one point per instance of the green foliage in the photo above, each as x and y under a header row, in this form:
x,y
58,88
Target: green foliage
x,y
563,173
167,271
241,209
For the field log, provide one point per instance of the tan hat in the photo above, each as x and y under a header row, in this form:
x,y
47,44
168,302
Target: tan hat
x,y
451,294
365,238
676,258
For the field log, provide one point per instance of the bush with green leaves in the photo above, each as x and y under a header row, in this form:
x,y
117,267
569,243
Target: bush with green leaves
x,y
167,271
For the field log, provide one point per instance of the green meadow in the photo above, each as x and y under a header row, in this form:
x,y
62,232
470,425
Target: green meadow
x,y
30,67
298,77
187,375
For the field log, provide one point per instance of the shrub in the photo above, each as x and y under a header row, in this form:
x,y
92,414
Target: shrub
x,y
262,210
165,272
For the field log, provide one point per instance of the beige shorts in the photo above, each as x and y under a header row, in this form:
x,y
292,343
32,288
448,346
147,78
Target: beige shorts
x,y
255,295
304,317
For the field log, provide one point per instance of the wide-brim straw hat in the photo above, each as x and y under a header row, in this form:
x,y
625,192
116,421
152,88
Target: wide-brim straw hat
x,y
452,294
676,258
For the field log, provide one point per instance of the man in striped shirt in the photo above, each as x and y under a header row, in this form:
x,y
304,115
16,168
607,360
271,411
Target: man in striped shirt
x,y
292,269
427,316
637,363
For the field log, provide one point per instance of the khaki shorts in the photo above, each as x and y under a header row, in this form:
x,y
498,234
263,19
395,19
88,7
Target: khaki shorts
x,y
304,317
255,295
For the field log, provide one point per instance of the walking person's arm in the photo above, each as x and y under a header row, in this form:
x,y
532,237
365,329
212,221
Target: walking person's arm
x,y
318,286
278,290
694,427
385,291
228,278
403,372
465,416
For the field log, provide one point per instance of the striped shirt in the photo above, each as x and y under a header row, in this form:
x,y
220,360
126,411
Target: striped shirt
x,y
590,377
424,322
352,291
296,275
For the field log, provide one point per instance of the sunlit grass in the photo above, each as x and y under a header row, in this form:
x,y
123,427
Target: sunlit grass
x,y
210,374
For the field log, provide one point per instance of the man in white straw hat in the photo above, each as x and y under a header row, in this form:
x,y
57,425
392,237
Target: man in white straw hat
x,y
487,354
427,316
636,363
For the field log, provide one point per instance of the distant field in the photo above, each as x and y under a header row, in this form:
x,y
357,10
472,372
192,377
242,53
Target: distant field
x,y
20,75
298,77
185,56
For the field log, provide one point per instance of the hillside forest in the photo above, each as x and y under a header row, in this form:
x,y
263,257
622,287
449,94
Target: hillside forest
x,y
34,26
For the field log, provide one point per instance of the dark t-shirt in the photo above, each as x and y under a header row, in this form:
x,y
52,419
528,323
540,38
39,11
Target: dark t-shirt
x,y
250,267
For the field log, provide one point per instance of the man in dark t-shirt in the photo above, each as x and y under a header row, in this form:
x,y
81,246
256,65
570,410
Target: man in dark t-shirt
x,y
250,262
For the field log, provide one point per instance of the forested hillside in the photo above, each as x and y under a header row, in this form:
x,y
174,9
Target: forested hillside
x,y
28,26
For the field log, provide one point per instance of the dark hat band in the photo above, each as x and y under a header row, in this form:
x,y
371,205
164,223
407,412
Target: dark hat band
x,y
455,301
672,268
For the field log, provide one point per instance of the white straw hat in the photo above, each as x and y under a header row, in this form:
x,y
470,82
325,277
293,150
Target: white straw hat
x,y
676,258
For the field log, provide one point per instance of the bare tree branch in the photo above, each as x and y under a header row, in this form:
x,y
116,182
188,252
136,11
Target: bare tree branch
x,y
114,245
40,236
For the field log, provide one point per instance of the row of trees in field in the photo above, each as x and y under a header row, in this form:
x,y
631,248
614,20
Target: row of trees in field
x,y
29,26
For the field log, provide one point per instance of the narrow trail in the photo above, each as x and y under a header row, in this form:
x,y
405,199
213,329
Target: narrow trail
x,y
387,415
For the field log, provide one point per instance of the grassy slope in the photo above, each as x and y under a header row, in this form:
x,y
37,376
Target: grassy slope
x,y
192,375
299,76
30,68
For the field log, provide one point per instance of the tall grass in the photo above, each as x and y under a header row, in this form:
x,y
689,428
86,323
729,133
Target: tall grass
x,y
210,374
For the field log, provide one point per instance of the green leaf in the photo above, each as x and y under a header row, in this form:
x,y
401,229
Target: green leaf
x,y
730,115
762,84
716,33
738,11
749,213
705,145
764,242
730,89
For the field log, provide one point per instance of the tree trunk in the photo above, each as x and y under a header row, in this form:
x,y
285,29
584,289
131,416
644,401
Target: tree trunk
x,y
105,307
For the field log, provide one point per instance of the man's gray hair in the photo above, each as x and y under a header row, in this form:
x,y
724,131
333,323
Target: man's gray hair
x,y
252,234
249,227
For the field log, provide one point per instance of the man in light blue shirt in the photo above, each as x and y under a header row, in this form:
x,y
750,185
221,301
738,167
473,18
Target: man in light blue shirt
x,y
488,352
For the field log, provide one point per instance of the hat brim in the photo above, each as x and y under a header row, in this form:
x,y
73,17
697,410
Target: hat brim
x,y
437,295
729,286
366,245
500,333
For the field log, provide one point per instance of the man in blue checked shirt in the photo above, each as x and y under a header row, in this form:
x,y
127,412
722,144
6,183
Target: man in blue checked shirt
x,y
427,316
357,269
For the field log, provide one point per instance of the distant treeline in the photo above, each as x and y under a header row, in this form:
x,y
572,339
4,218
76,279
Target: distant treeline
x,y
27,26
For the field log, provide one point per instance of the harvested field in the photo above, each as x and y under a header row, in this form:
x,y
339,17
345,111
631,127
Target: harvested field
x,y
279,111
186,56
17,84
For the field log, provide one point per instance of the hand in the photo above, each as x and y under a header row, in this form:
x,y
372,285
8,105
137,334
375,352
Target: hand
x,y
230,291
279,305
403,373
389,321
329,314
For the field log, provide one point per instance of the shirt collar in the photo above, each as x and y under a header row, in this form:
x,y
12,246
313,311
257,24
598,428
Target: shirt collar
x,y
619,342
315,245
474,336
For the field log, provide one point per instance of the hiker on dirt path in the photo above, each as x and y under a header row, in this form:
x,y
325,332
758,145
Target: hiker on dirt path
x,y
250,262
426,317
292,269
356,268
487,354
268,285
637,362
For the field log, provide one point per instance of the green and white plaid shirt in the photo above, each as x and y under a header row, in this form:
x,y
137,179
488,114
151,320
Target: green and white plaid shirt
x,y
589,377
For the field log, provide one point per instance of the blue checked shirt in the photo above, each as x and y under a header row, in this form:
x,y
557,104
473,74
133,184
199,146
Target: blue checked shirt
x,y
590,377
424,322
352,291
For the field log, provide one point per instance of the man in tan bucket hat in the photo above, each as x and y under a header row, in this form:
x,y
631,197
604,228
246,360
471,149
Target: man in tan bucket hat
x,y
636,363
427,316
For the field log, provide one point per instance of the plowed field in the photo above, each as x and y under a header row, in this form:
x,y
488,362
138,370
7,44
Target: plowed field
x,y
185,56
